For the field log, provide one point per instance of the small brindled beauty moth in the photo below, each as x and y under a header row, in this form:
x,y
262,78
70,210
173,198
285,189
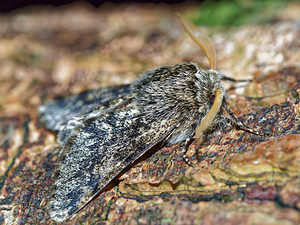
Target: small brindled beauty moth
x,y
103,131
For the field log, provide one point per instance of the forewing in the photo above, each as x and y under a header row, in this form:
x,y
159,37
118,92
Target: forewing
x,y
97,151
56,112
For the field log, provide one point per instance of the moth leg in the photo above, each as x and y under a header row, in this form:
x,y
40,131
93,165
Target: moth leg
x,y
243,81
240,124
235,80
187,143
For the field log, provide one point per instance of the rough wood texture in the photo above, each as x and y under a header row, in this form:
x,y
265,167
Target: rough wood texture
x,y
238,178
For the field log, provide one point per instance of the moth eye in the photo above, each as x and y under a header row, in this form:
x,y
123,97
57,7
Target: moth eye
x,y
212,99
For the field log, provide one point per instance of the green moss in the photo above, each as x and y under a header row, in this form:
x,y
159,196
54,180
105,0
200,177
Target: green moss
x,y
237,12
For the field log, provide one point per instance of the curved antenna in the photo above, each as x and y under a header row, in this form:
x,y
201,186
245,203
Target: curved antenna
x,y
209,117
204,42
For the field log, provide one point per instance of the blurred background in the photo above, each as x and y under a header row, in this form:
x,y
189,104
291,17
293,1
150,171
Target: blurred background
x,y
11,5
235,12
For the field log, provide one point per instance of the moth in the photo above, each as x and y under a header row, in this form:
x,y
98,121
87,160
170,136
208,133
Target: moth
x,y
103,131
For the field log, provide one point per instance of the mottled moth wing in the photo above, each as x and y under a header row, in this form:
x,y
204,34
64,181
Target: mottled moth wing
x,y
97,150
165,105
57,112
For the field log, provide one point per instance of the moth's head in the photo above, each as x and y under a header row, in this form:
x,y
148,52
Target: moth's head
x,y
215,77
208,82
210,95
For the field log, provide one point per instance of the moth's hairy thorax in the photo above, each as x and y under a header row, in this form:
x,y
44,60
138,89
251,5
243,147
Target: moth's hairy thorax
x,y
181,94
